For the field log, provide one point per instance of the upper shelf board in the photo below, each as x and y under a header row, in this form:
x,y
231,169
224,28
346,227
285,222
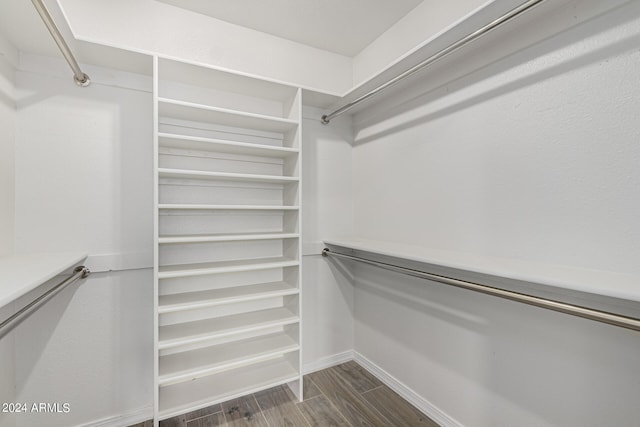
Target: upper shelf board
x,y
211,78
169,140
223,116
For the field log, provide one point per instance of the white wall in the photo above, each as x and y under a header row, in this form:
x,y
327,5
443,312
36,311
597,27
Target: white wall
x,y
91,347
8,56
533,157
154,27
326,211
83,183
7,371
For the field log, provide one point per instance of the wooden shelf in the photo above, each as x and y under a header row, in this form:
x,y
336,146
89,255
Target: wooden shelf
x,y
227,207
191,365
169,140
180,334
199,269
203,238
224,176
184,397
210,298
222,116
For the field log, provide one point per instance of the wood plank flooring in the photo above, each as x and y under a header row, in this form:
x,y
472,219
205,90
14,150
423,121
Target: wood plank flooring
x,y
342,396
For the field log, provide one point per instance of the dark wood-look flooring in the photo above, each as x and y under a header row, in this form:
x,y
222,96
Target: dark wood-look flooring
x,y
342,396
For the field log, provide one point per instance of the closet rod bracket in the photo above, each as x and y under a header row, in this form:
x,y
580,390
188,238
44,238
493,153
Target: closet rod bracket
x,y
83,82
85,271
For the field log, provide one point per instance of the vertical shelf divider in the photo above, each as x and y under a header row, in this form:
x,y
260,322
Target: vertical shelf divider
x,y
156,396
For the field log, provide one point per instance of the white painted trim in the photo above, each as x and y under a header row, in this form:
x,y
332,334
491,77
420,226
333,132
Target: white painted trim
x,y
139,416
407,393
327,362
103,75
99,263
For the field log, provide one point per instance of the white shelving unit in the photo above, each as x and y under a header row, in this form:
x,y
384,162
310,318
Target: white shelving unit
x,y
227,259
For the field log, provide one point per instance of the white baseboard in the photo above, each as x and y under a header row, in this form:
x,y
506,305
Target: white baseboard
x,y
124,420
407,393
327,362
404,391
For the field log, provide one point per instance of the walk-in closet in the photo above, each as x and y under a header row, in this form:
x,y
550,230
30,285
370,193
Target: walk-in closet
x,y
311,214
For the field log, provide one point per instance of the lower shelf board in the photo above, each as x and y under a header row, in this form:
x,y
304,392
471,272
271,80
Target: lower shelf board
x,y
189,396
193,364
190,206
219,267
185,142
192,300
171,336
238,237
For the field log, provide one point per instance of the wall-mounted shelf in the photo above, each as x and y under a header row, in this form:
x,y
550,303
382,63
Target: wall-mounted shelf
x,y
180,398
222,116
187,366
182,334
603,290
227,207
224,176
223,146
211,298
219,267
225,237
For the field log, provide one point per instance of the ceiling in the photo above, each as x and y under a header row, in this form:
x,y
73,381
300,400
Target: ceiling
x,y
341,26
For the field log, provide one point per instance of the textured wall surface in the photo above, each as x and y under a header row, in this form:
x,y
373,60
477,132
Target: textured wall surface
x,y
83,183
531,157
326,211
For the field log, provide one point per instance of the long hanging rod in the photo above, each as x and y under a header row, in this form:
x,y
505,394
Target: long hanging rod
x,y
575,310
325,119
79,77
79,272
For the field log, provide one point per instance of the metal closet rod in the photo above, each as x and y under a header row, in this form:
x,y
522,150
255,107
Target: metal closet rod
x,y
575,310
79,77
79,272
325,119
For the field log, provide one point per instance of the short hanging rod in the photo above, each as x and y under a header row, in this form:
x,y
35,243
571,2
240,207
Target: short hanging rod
x,y
79,77
434,58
